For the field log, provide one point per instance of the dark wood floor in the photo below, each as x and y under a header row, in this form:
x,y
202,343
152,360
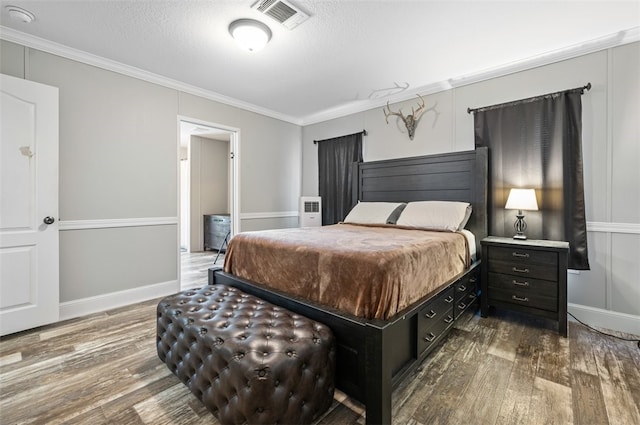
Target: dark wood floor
x,y
505,369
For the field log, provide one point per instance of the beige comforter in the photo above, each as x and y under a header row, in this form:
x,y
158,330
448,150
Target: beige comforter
x,y
370,272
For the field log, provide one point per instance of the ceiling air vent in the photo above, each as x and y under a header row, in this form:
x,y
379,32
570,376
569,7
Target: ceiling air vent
x,y
282,11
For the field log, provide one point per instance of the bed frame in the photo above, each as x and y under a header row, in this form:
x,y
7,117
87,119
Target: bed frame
x,y
374,356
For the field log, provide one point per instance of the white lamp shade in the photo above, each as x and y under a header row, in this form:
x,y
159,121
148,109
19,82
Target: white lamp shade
x,y
522,199
251,35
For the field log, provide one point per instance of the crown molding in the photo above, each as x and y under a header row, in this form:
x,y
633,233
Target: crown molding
x,y
602,43
367,104
595,45
606,42
28,40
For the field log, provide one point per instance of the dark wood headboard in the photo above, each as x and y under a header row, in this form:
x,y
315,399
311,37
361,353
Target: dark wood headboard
x,y
455,176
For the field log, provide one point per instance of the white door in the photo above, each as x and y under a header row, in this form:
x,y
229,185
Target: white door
x,y
29,294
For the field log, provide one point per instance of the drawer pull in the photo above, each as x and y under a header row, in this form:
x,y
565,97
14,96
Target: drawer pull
x,y
517,270
462,288
517,298
449,319
430,315
430,337
517,254
472,280
515,282
462,306
449,299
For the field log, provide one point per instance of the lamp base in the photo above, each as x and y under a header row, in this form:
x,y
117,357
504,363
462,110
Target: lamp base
x,y
520,226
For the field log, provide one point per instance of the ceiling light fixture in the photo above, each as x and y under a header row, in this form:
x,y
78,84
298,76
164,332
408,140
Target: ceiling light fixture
x,y
250,34
20,14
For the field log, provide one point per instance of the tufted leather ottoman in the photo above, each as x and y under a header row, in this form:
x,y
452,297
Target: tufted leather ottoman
x,y
248,361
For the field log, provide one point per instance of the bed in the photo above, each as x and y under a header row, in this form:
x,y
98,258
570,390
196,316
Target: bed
x,y
379,347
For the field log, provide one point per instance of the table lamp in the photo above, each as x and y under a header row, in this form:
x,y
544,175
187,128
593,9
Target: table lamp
x,y
521,199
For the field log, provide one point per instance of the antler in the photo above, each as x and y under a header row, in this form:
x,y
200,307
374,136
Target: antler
x,y
387,115
410,121
417,114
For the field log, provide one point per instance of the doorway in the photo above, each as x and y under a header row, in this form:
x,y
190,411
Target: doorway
x,y
208,184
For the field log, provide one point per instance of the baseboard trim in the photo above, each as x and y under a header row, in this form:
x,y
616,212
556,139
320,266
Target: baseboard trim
x,y
99,303
606,319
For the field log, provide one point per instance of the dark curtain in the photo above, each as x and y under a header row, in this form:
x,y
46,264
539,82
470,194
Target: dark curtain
x,y
537,143
335,157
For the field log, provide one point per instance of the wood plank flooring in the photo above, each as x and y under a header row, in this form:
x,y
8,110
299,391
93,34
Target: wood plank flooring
x,y
194,267
505,369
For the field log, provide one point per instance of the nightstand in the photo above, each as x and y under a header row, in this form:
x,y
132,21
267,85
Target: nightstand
x,y
525,275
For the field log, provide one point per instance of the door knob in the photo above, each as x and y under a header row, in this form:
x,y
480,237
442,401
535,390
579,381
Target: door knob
x,y
49,220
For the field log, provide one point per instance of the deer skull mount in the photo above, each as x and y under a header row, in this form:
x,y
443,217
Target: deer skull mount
x,y
410,121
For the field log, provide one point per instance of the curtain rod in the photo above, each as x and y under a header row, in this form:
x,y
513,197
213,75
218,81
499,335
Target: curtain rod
x,y
586,87
363,132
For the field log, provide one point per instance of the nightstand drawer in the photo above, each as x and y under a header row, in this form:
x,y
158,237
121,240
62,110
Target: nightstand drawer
x,y
524,298
525,285
532,271
518,255
529,276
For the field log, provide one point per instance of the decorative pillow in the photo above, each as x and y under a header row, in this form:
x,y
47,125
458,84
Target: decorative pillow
x,y
375,213
436,215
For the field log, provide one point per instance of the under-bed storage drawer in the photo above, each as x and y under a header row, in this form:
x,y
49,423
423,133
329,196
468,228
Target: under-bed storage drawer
x,y
466,292
434,319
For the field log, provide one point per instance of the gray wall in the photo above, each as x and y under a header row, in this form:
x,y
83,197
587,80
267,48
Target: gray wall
x,y
119,175
611,143
119,161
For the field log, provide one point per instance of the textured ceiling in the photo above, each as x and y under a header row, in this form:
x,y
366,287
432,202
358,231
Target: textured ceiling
x,y
347,55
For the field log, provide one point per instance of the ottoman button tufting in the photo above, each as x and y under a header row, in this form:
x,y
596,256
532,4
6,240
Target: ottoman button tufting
x,y
231,378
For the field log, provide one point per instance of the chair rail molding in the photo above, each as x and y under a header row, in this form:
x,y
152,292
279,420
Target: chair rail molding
x,y
601,226
274,214
116,222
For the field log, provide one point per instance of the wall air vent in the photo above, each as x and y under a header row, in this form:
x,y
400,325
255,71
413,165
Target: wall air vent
x,y
282,11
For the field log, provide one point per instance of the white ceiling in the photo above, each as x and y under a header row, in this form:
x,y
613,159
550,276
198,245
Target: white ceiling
x,y
348,56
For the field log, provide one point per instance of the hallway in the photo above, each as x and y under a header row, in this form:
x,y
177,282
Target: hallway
x,y
194,267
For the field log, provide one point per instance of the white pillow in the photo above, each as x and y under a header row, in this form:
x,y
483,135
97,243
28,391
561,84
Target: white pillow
x,y
435,215
374,213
